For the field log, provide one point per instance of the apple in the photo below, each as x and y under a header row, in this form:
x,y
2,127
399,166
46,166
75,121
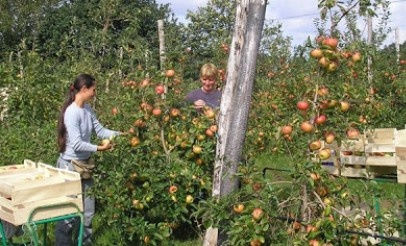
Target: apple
x,y
302,105
174,112
331,42
356,57
257,213
324,62
314,242
213,128
344,106
323,91
105,142
200,137
144,83
238,208
296,225
209,133
139,123
255,242
173,189
199,161
321,191
159,89
209,113
315,145
135,141
287,130
146,239
315,176
170,73
310,228
306,126
332,103
114,111
197,149
332,67
135,202
189,199
353,133
327,201
256,186
321,119
324,154
146,107
316,53
329,137
156,111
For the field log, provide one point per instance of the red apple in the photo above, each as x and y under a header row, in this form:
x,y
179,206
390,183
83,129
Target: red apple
x,y
287,130
331,42
321,119
302,105
306,126
159,89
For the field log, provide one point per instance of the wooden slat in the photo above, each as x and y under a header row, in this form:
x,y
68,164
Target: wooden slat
x,y
381,135
400,138
19,216
389,161
51,190
352,159
386,148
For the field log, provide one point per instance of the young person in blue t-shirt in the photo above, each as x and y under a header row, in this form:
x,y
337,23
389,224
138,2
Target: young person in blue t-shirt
x,y
76,123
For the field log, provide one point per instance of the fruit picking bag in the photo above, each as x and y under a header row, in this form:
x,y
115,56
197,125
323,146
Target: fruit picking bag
x,y
84,167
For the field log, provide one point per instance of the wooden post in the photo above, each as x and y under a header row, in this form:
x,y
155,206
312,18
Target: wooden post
x,y
248,27
369,55
397,45
161,37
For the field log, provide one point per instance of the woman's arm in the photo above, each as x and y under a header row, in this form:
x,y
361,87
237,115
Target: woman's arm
x,y
101,131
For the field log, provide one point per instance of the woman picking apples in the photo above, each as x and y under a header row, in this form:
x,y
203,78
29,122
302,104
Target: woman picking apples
x,y
76,123
207,95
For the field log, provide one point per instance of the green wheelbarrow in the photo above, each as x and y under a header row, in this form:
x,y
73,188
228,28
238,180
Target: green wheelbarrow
x,y
32,225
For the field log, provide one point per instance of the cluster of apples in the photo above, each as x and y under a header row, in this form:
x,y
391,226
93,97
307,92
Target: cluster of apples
x,y
328,54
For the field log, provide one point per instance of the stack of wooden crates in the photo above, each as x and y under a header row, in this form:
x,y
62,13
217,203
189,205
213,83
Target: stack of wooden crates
x,y
30,185
377,152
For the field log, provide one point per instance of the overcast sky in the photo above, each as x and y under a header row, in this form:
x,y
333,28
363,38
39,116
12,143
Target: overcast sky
x,y
297,16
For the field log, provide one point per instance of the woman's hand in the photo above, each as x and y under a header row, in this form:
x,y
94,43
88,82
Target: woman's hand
x,y
199,104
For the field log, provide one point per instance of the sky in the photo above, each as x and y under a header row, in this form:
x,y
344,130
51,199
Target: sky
x,y
298,22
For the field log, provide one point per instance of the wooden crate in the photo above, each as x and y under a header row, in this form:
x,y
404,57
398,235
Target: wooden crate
x,y
400,150
380,148
25,187
371,155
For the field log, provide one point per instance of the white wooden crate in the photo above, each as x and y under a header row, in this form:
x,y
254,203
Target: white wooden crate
x,y
27,186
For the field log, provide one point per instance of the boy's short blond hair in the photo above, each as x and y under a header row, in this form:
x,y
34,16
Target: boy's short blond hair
x,y
208,70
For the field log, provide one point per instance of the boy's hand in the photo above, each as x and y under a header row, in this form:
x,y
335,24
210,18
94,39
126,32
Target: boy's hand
x,y
199,104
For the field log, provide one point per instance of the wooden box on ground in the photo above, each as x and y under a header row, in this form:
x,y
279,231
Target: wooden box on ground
x,y
31,185
380,148
400,148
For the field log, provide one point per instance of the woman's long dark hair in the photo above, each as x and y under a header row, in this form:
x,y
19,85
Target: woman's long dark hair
x,y
82,80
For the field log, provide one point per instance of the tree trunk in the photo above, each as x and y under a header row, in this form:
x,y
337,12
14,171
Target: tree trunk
x,y
233,119
161,37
